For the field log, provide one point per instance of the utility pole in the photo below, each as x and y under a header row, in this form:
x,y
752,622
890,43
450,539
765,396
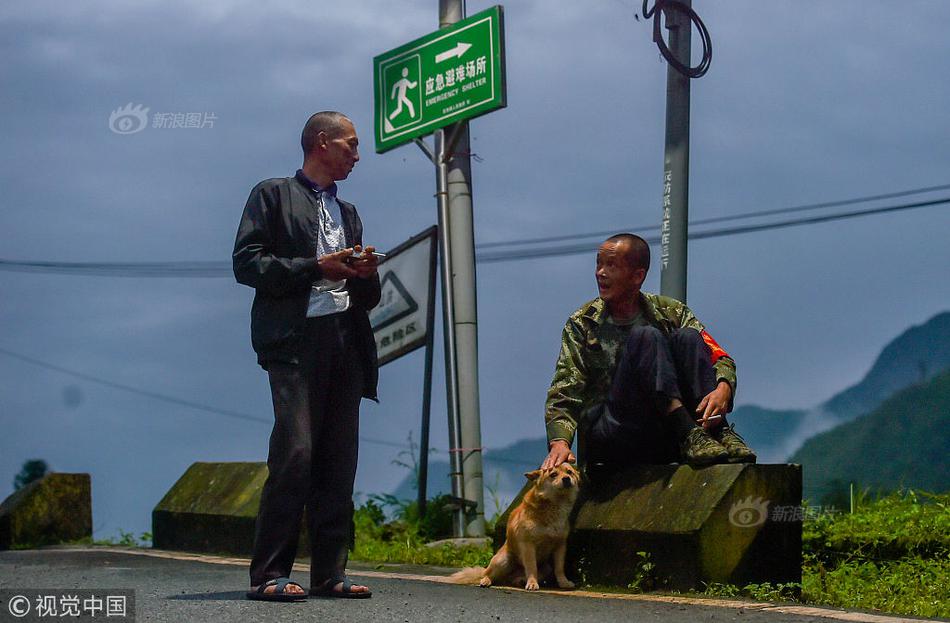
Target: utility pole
x,y
674,228
459,308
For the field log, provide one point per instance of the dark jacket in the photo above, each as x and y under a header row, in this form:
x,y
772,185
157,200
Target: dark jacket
x,y
275,253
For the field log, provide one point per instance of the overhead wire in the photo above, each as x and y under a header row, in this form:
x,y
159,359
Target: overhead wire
x,y
172,269
722,219
586,247
182,402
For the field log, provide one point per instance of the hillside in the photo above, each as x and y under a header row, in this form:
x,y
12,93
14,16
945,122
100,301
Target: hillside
x,y
904,442
918,354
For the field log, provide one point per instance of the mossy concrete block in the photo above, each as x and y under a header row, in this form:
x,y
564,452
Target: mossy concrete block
x,y
54,509
736,524
212,509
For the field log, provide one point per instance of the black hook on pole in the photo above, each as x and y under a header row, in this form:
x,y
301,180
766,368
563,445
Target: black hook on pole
x,y
668,6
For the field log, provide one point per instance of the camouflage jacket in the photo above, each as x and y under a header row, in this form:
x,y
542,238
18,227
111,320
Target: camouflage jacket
x,y
590,349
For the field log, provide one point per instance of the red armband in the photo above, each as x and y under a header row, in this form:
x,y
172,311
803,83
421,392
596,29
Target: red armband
x,y
716,351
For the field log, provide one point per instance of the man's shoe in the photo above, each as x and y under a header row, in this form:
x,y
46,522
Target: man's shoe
x,y
698,448
735,445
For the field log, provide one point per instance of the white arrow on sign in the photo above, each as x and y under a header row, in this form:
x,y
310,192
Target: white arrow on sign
x,y
460,49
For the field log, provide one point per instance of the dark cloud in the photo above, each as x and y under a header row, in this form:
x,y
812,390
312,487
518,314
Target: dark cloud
x,y
804,102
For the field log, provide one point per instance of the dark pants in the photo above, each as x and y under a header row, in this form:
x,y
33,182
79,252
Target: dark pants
x,y
313,452
652,370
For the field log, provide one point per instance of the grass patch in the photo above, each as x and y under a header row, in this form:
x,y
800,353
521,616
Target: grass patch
x,y
403,539
892,554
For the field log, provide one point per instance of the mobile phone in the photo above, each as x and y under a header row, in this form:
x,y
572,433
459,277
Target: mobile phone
x,y
358,256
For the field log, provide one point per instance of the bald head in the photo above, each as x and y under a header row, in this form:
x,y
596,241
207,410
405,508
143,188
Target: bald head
x,y
637,250
327,121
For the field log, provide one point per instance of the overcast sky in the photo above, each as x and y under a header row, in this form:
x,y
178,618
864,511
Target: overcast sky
x,y
805,102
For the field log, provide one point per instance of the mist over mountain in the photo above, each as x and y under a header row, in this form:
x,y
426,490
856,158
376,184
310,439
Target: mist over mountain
x,y
916,355
905,442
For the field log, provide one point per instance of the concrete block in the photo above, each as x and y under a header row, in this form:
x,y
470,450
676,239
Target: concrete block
x,y
734,524
54,509
212,508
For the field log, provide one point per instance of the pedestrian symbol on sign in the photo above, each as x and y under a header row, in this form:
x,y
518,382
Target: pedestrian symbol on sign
x,y
404,95
400,89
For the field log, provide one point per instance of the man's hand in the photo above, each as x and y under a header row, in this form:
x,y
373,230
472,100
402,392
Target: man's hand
x,y
560,452
715,403
367,264
333,266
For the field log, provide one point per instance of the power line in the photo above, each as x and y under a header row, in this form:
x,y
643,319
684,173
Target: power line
x,y
164,397
722,219
122,269
197,405
587,247
223,269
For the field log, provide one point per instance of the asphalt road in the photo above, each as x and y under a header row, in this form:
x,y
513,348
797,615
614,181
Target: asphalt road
x,y
174,590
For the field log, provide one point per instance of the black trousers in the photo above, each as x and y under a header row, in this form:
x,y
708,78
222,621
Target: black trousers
x,y
652,370
313,453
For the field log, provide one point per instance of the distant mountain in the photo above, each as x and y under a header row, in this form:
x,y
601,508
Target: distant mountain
x,y
503,470
768,431
917,355
904,442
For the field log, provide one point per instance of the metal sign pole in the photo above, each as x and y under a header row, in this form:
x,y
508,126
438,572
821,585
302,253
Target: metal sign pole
x,y
673,247
448,331
427,381
459,244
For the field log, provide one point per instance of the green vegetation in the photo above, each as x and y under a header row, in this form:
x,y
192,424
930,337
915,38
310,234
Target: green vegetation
x,y
127,539
892,554
404,539
123,539
32,470
905,442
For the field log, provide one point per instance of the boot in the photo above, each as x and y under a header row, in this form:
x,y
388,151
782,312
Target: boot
x,y
735,445
698,448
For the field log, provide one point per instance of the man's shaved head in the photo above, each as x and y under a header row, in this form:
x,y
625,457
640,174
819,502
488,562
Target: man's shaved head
x,y
638,251
328,121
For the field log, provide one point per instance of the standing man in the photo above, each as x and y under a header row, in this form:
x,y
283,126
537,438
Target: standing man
x,y
310,328
640,374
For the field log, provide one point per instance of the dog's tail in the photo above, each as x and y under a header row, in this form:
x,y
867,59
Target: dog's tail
x,y
468,575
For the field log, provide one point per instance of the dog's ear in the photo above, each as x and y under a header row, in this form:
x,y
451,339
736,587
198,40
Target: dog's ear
x,y
532,475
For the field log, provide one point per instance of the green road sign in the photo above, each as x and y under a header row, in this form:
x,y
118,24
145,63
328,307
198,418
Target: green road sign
x,y
449,75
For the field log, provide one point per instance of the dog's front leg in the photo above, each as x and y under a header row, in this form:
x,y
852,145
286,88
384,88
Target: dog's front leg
x,y
530,561
560,553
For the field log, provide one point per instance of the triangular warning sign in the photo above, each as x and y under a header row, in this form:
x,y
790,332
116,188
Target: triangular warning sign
x,y
395,302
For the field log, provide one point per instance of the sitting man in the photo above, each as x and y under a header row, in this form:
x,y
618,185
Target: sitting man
x,y
641,375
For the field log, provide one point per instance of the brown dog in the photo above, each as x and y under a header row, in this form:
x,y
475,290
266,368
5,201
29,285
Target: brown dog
x,y
537,530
